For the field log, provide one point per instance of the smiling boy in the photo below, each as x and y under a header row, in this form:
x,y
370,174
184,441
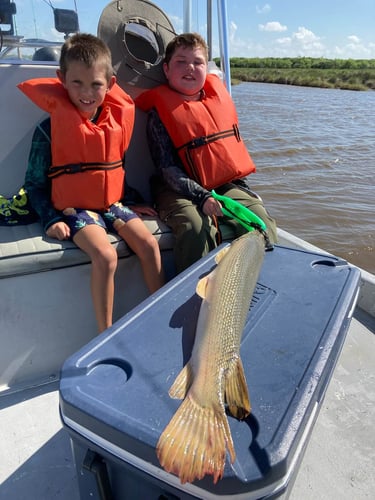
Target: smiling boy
x,y
75,177
196,145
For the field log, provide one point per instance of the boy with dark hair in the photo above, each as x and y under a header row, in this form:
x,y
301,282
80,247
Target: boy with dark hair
x,y
196,146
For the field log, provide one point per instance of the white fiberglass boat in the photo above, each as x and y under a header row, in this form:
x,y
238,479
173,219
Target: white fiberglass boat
x,y
46,313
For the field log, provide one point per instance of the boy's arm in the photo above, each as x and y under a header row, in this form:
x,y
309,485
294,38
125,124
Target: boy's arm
x,y
168,164
37,183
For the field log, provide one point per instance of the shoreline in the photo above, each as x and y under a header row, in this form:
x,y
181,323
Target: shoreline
x,y
306,72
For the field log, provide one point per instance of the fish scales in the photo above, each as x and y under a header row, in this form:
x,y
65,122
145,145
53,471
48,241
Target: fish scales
x,y
195,441
223,313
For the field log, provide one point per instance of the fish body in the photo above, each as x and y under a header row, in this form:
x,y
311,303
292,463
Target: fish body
x,y
195,441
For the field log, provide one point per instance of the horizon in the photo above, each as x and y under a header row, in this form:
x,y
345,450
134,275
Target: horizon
x,y
276,28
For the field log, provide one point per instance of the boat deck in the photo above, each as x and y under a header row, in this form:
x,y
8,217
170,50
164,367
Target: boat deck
x,y
36,461
35,455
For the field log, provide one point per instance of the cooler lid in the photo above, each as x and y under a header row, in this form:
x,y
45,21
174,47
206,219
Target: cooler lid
x,y
114,391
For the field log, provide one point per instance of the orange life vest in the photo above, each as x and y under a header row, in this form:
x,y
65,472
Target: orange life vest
x,y
87,168
205,133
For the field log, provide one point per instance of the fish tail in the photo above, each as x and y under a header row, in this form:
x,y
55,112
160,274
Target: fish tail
x,y
236,392
194,442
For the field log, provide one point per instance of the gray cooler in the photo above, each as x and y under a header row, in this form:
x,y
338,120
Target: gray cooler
x,y
114,398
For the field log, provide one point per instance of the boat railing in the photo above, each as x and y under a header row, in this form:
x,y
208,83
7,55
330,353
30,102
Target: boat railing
x,y
65,21
30,49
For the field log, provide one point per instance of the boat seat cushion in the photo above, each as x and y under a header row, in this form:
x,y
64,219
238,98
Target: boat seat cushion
x,y
24,249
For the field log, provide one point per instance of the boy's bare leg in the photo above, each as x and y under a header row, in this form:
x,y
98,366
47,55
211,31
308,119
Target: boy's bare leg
x,y
93,240
145,246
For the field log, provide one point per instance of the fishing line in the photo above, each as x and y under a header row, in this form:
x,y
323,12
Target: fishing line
x,y
197,17
49,3
34,19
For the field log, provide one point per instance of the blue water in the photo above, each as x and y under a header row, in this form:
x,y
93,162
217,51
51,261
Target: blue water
x,y
315,156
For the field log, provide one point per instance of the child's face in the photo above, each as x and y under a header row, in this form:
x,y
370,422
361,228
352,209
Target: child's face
x,y
187,70
86,87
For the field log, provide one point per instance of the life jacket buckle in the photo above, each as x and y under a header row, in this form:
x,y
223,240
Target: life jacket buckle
x,y
198,142
73,168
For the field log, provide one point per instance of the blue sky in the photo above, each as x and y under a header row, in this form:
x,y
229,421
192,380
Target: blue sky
x,y
276,28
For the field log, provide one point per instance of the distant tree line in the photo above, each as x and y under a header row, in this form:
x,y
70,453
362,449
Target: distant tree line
x,y
349,74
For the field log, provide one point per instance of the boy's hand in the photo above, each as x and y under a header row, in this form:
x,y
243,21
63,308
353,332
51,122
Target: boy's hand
x,y
59,230
212,207
143,210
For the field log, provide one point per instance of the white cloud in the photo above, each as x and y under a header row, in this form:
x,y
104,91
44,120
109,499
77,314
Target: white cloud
x,y
353,39
272,26
354,51
357,50
305,42
285,41
263,10
232,30
304,36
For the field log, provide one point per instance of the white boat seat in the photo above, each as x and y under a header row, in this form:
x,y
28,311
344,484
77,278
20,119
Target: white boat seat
x,y
25,250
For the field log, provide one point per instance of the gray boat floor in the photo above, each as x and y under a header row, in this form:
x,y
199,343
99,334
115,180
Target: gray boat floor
x,y
339,462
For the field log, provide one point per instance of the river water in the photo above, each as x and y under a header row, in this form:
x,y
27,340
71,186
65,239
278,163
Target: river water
x,y
315,155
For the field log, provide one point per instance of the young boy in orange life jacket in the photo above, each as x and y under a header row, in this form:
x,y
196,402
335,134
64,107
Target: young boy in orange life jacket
x,y
75,177
196,146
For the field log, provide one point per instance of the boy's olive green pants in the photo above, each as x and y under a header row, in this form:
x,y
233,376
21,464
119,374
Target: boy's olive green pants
x,y
196,233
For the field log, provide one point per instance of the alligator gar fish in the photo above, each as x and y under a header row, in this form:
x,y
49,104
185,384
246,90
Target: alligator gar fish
x,y
195,441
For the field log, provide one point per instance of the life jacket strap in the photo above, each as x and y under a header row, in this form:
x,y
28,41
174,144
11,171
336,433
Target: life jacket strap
x,y
206,139
74,168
